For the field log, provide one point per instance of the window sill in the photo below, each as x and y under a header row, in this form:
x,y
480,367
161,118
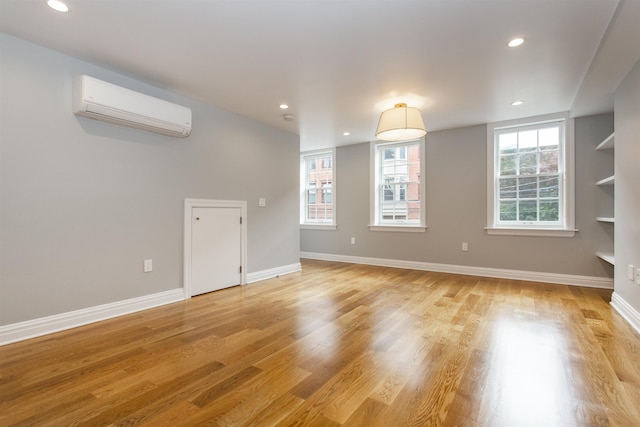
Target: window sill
x,y
399,228
539,232
329,227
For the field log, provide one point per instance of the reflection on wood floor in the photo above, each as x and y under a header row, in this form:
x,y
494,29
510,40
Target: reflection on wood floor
x,y
340,344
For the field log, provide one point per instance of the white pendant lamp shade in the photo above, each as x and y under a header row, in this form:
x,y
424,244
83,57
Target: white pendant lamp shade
x,y
400,123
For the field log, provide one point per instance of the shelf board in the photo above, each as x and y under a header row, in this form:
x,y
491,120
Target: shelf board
x,y
608,143
607,256
610,180
605,219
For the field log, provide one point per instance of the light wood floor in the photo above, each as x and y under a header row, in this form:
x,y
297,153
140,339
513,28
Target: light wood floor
x,y
340,344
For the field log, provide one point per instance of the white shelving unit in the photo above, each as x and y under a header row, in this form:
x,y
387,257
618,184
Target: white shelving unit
x,y
607,256
610,180
606,219
607,144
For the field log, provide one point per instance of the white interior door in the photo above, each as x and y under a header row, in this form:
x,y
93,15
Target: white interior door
x,y
216,252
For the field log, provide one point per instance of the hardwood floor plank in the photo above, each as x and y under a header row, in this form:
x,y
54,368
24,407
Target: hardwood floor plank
x,y
339,345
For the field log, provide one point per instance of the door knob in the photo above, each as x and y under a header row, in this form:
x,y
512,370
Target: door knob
x,y
197,218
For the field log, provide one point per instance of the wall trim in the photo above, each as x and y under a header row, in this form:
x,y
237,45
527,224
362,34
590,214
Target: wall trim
x,y
273,272
625,310
60,322
533,276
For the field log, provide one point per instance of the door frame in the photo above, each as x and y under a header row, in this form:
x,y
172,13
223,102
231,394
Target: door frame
x,y
189,204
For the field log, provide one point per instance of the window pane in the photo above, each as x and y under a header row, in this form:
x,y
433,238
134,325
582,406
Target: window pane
x,y
508,143
507,165
311,164
527,141
508,211
328,196
312,212
528,164
549,210
549,138
527,210
527,188
412,191
389,153
311,194
549,161
549,186
508,188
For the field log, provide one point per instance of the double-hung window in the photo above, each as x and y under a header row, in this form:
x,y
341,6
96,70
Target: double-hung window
x,y
317,187
397,186
530,177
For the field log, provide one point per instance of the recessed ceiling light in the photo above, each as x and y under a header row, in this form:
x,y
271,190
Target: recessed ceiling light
x,y
346,133
57,5
515,42
516,103
283,106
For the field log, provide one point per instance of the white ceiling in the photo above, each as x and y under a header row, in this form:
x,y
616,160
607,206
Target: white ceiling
x,y
338,63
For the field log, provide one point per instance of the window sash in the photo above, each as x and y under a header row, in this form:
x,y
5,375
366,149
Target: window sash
x,y
399,200
545,201
317,179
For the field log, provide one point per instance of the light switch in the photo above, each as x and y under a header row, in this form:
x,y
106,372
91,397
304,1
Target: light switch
x,y
148,265
631,272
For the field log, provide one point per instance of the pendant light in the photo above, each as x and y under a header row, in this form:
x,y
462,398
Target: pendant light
x,y
400,123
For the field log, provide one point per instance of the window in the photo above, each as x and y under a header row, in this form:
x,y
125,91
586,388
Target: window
x,y
317,180
397,186
530,177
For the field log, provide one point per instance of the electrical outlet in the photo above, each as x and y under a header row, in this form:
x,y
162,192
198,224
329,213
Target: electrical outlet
x,y
465,246
262,202
148,265
353,240
631,272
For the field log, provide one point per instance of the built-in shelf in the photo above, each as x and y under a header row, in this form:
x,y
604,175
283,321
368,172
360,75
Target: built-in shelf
x,y
607,256
605,219
610,180
607,144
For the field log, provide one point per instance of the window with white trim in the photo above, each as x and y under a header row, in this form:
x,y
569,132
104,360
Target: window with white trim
x,y
397,186
530,177
317,181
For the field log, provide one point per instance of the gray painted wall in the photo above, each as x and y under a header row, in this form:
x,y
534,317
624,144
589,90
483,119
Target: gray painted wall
x,y
627,187
456,210
83,203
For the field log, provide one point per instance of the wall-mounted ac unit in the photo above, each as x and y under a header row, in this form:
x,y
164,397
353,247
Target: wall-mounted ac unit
x,y
107,102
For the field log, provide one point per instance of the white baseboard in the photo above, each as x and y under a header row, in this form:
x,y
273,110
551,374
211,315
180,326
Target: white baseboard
x,y
273,272
625,310
533,276
59,322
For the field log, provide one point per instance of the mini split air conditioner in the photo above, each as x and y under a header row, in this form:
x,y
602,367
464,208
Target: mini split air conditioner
x,y
107,102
